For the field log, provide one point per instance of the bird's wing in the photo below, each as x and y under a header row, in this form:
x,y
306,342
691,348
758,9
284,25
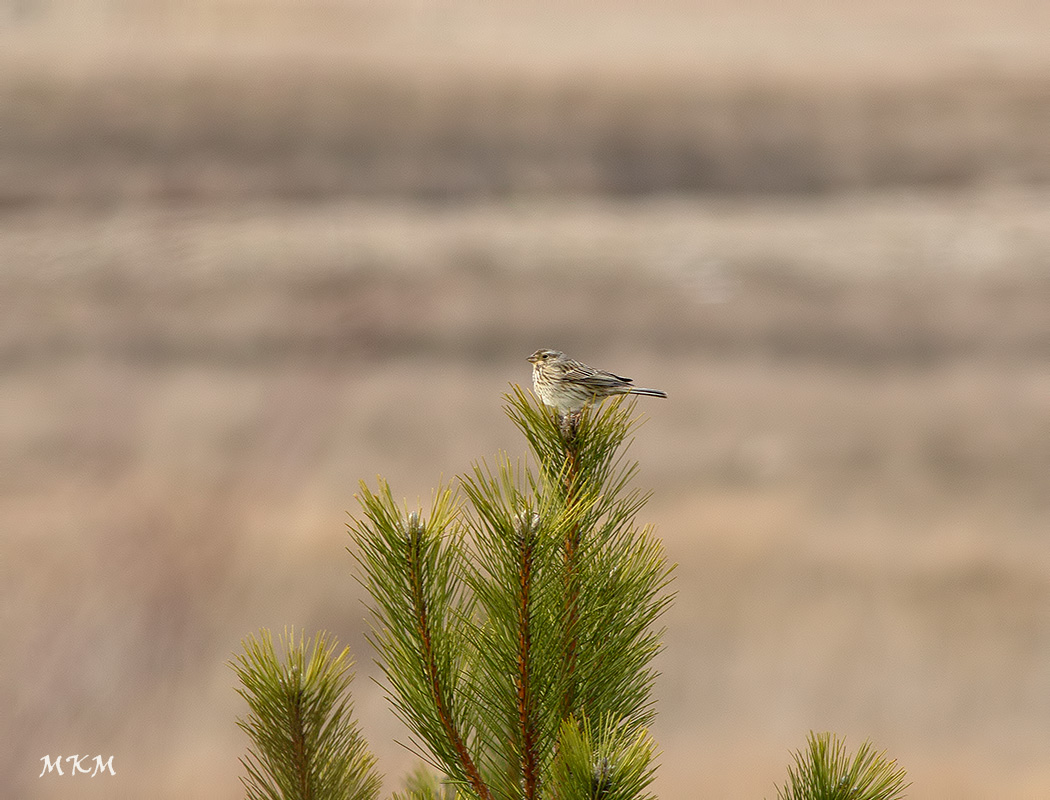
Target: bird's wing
x,y
598,378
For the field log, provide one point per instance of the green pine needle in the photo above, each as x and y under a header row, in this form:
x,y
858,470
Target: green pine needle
x,y
825,772
613,763
305,744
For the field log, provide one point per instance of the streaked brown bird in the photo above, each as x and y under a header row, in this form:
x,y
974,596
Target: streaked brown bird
x,y
569,385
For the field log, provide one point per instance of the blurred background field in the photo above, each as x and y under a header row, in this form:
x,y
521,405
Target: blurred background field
x,y
254,251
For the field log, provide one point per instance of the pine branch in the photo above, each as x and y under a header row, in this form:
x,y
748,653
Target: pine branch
x,y
614,577
593,443
580,459
614,763
825,772
421,639
571,578
304,742
438,694
517,644
523,680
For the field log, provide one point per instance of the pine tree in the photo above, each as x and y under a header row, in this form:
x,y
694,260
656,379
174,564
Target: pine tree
x,y
509,620
305,742
515,623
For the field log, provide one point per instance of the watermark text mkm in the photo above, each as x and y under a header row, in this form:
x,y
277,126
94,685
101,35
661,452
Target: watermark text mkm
x,y
76,765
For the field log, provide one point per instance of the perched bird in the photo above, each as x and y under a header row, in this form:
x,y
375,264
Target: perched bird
x,y
569,385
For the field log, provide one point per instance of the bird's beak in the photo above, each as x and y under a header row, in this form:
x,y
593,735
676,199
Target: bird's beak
x,y
532,358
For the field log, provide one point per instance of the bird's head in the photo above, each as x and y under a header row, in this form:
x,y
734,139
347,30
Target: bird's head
x,y
545,354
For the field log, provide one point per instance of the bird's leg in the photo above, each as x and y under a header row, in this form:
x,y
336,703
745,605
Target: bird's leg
x,y
569,424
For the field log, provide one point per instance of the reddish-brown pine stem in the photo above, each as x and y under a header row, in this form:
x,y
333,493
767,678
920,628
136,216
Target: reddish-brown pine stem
x,y
572,585
437,694
526,715
299,747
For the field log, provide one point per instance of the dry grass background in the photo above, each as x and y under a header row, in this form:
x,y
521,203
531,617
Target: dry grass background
x,y
251,252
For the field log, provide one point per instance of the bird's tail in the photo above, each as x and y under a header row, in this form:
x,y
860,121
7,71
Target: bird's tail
x,y
649,392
